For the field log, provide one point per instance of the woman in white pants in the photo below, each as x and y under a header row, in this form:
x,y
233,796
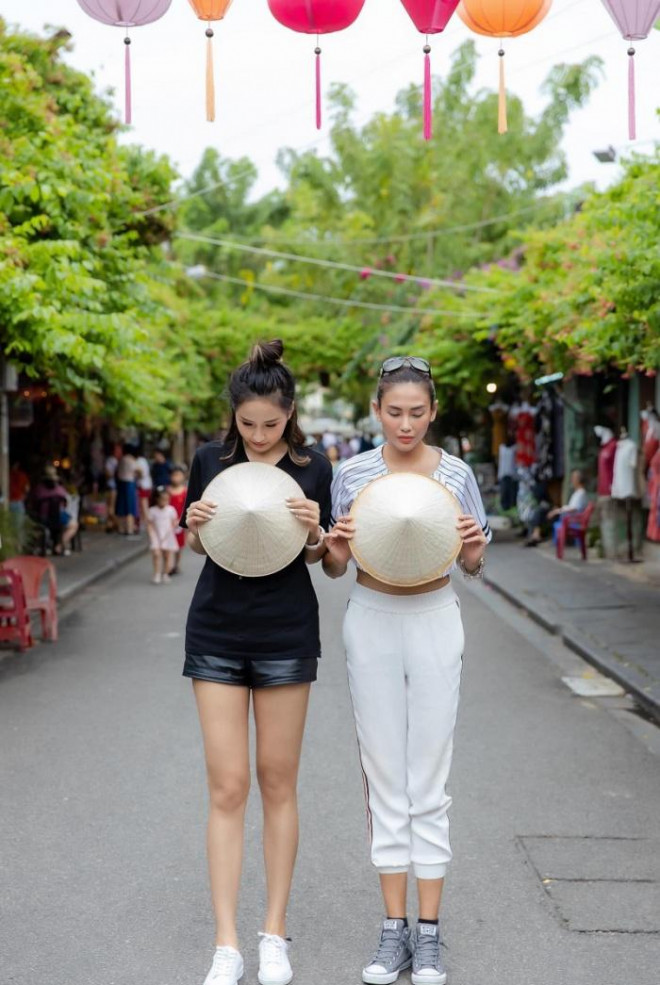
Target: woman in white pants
x,y
404,649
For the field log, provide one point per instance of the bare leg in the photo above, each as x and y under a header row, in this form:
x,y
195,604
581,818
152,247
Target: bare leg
x,y
223,714
394,887
157,558
70,532
279,714
167,562
430,897
130,524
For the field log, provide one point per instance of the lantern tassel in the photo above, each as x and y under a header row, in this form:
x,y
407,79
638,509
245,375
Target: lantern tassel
x,y
632,122
428,107
210,84
502,123
319,114
127,80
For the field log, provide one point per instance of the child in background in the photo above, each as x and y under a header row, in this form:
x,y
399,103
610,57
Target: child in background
x,y
162,523
178,490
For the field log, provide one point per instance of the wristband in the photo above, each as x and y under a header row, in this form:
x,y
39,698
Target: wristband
x,y
314,547
478,572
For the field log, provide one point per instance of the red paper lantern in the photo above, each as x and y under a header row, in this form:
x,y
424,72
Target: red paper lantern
x,y
429,17
316,17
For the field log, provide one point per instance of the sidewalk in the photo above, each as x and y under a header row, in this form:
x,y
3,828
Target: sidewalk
x,y
101,555
607,612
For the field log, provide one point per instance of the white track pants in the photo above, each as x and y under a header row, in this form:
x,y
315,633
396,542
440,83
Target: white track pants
x,y
404,657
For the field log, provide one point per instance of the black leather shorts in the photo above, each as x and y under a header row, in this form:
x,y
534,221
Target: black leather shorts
x,y
248,672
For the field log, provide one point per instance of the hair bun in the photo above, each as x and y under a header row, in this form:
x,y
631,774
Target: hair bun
x,y
265,354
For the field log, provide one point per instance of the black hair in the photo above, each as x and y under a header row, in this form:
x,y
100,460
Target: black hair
x,y
265,375
407,374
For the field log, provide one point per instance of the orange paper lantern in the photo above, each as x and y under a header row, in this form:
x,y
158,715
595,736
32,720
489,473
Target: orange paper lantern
x,y
497,19
210,10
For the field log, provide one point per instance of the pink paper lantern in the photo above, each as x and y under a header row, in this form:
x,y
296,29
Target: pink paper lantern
x,y
126,14
634,18
316,17
429,17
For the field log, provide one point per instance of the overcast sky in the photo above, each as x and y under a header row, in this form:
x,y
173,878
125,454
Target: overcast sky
x,y
264,75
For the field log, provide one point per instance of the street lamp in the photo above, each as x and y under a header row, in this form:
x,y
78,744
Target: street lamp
x,y
491,387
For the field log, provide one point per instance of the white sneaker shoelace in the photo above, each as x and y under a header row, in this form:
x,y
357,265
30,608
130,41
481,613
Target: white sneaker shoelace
x,y
274,958
225,967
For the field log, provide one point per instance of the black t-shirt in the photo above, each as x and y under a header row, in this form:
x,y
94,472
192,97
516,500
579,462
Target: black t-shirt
x,y
269,618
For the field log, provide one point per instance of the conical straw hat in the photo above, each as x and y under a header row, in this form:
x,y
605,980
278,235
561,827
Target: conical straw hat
x,y
253,533
406,529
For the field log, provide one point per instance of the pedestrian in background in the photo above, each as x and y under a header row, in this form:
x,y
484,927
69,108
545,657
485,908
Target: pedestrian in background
x,y
404,650
144,488
19,486
258,639
162,521
110,473
161,469
178,491
127,500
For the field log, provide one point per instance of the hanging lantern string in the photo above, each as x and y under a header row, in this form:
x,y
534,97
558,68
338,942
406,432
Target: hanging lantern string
x,y
127,79
210,84
428,110
502,123
319,117
632,122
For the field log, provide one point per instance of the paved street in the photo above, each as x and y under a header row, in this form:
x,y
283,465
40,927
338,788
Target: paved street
x,y
556,879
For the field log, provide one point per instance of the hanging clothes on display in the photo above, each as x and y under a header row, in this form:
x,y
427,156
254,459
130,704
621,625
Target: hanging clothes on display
x,y
624,480
550,436
606,455
650,435
525,435
653,525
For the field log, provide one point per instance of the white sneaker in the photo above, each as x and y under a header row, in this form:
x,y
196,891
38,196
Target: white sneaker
x,y
274,964
156,579
227,967
166,579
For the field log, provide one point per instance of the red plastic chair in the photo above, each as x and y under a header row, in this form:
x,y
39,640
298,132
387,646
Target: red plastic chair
x,y
33,571
575,525
15,624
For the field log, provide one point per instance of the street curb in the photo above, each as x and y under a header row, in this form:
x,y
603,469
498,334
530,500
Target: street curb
x,y
109,567
646,694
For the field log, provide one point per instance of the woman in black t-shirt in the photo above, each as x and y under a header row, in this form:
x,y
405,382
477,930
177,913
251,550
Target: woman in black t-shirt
x,y
260,635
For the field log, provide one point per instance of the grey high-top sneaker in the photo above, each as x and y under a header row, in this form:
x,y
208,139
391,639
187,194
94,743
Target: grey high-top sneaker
x,y
428,968
393,954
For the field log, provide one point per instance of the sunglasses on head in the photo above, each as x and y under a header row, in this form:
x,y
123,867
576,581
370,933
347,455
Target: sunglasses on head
x,y
394,363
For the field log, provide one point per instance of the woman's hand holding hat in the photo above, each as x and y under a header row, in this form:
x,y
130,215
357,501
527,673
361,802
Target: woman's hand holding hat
x,y
338,540
309,513
474,541
198,513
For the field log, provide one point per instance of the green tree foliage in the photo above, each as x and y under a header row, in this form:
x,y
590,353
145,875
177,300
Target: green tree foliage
x,y
384,200
587,294
75,302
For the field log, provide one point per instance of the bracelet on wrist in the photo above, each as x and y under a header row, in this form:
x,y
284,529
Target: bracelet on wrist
x,y
314,547
477,572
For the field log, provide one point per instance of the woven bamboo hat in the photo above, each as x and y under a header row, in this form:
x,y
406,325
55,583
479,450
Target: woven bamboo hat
x,y
253,533
406,529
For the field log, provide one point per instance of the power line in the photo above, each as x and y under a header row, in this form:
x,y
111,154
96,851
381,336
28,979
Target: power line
x,y
333,264
342,302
